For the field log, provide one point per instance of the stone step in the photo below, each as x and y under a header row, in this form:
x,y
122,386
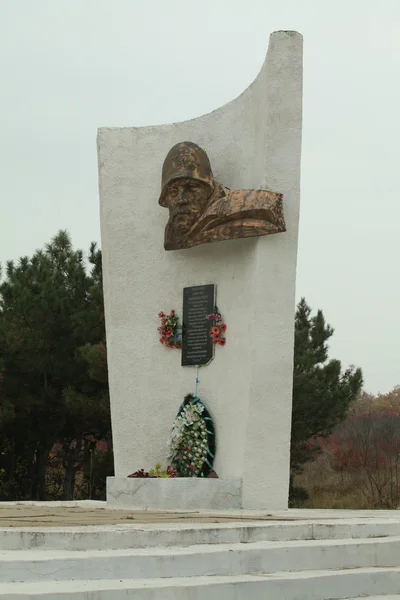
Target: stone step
x,y
309,585
199,560
184,534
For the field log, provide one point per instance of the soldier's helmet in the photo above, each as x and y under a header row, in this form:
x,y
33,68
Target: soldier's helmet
x,y
185,160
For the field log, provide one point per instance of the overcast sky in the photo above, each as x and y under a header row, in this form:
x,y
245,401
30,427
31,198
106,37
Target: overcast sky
x,y
70,66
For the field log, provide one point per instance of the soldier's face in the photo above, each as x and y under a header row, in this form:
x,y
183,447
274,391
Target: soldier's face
x,y
187,201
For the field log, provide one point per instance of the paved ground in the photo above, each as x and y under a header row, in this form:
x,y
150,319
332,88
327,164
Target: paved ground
x,y
58,514
35,516
40,515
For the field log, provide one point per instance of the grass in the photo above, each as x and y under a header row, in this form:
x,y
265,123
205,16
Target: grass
x,y
328,488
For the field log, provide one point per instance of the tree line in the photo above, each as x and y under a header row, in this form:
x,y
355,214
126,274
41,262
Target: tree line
x,y
55,429
358,464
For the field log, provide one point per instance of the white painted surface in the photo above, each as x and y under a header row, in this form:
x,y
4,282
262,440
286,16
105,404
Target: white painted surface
x,y
174,494
295,514
204,563
88,504
253,142
188,533
199,561
310,585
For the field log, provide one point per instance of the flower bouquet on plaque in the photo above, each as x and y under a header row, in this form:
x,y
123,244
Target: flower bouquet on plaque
x,y
170,330
217,328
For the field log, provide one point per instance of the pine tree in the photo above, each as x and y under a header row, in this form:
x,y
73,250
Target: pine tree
x,y
50,311
322,394
89,406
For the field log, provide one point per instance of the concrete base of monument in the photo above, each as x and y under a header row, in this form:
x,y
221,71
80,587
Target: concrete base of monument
x,y
184,493
82,551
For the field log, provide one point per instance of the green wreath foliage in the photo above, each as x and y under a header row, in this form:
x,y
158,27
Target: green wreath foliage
x,y
192,444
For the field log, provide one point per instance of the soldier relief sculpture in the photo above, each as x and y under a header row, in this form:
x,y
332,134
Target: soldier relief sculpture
x,y
201,210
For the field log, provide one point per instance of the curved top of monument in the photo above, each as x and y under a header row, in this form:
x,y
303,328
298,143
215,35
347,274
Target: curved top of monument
x,y
273,36
287,31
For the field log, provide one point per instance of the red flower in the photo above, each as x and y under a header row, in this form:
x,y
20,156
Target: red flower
x,y
217,336
170,345
222,342
187,448
171,472
222,327
160,315
178,346
190,468
162,340
214,341
214,330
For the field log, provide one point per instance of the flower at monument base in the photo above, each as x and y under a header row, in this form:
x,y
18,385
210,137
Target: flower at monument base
x,y
178,346
222,327
222,342
157,472
214,341
214,330
161,315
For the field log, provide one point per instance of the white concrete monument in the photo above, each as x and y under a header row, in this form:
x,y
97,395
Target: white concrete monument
x,y
252,143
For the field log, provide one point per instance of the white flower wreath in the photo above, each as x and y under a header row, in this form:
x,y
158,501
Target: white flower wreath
x,y
189,442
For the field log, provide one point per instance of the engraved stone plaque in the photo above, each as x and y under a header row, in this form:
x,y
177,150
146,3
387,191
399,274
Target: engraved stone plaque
x,y
197,347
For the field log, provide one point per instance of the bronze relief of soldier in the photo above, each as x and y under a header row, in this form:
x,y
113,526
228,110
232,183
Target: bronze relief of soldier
x,y
201,210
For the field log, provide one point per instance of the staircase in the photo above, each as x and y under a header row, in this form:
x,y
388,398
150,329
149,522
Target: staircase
x,y
289,560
